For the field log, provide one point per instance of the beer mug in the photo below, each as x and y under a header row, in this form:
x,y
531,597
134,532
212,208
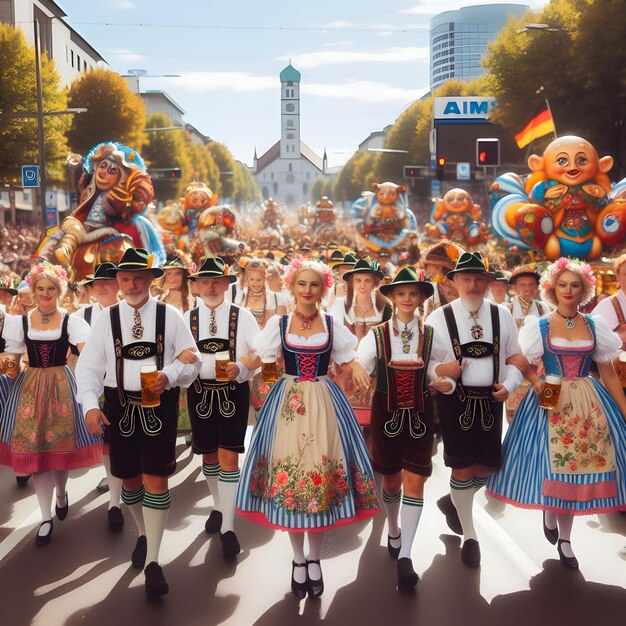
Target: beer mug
x,y
549,398
269,369
221,361
148,375
12,365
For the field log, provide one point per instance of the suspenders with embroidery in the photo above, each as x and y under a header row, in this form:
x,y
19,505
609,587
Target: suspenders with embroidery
x,y
476,399
226,407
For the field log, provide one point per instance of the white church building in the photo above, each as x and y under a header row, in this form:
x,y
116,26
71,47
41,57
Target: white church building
x,y
287,170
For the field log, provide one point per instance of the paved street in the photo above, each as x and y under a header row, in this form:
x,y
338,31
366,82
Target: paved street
x,y
84,576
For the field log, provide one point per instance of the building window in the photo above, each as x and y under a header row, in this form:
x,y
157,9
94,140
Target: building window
x,y
78,62
305,188
291,167
290,178
275,187
290,107
72,53
272,176
290,124
290,136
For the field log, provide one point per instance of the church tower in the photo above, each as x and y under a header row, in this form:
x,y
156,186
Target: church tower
x,y
290,113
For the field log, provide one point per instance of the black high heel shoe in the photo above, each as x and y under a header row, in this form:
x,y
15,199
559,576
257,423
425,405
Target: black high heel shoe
x,y
298,589
551,534
42,540
316,585
568,561
62,511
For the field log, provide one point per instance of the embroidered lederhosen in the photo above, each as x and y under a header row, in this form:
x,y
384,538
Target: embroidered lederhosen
x,y
404,386
212,389
476,398
620,366
137,351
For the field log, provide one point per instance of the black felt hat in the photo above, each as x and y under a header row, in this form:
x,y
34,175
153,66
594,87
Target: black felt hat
x,y
213,267
408,276
175,263
135,260
363,266
101,273
6,286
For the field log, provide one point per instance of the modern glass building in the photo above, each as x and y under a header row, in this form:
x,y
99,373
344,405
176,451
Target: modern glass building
x,y
459,39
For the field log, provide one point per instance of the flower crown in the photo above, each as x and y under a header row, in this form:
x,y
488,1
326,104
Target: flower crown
x,y
42,266
576,266
299,263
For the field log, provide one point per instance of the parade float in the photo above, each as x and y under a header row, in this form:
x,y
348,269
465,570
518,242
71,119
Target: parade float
x,y
457,217
114,192
565,206
218,233
324,218
271,230
382,219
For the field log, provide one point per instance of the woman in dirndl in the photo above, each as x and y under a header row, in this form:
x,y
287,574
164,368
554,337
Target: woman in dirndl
x,y
307,469
571,459
42,430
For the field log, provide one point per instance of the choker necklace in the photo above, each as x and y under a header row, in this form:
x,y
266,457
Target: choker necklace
x,y
570,323
306,321
46,314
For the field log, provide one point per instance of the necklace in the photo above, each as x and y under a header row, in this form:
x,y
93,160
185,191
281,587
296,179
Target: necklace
x,y
476,330
405,336
306,321
364,312
46,314
570,323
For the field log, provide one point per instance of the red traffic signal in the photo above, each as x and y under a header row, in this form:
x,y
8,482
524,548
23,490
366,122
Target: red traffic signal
x,y
488,152
165,173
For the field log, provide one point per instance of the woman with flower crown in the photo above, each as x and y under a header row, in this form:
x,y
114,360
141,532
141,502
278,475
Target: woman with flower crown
x,y
307,469
570,459
42,430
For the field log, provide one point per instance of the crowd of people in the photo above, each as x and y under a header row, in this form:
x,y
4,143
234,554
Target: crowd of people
x,y
348,368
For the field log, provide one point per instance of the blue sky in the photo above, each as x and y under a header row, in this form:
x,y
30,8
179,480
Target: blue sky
x,y
362,62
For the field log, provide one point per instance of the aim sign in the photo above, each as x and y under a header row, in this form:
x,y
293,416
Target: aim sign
x,y
462,109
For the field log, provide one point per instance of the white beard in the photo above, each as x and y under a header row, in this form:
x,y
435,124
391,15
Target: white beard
x,y
472,303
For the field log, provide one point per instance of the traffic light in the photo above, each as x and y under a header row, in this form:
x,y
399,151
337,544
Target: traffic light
x,y
165,173
410,171
488,152
441,167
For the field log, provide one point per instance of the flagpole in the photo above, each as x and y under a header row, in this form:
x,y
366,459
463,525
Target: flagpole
x,y
552,116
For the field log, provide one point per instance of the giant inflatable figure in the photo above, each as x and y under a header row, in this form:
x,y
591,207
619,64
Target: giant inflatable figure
x,y
456,217
324,218
565,207
114,191
217,229
197,197
382,219
271,233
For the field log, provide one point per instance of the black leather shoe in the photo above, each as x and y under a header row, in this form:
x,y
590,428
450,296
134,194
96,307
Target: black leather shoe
x,y
230,544
316,585
138,557
214,523
407,577
446,506
552,534
156,584
62,511
298,589
116,518
42,540
470,553
568,561
22,481
393,552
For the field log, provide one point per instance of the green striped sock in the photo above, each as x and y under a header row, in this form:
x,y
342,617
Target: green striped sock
x,y
392,497
160,501
461,484
408,501
132,497
479,482
229,477
211,469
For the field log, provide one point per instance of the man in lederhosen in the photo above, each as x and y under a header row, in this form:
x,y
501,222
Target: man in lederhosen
x,y
139,331
474,347
104,289
218,409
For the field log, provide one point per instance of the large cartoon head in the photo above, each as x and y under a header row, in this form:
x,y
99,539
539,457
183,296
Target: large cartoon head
x,y
387,193
570,160
111,163
198,196
457,201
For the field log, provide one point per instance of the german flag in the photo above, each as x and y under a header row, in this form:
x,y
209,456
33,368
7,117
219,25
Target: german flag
x,y
542,124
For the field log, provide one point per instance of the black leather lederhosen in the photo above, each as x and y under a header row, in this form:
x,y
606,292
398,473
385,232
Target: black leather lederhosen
x,y
218,410
471,424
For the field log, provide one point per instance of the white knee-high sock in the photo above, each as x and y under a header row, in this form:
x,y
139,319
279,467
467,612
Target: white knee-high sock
x,y
391,502
462,494
410,514
297,545
227,487
115,484
134,501
315,552
565,523
60,478
478,483
211,472
44,488
156,506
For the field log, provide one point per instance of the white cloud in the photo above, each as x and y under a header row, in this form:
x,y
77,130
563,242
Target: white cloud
x,y
334,57
338,44
339,24
364,91
125,55
433,7
238,82
126,6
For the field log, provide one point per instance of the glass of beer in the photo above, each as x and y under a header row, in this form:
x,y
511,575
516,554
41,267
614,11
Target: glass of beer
x,y
12,366
269,369
551,392
221,361
148,375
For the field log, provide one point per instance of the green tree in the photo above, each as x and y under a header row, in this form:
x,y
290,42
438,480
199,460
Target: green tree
x,y
203,167
166,149
18,95
114,112
317,189
226,164
349,183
